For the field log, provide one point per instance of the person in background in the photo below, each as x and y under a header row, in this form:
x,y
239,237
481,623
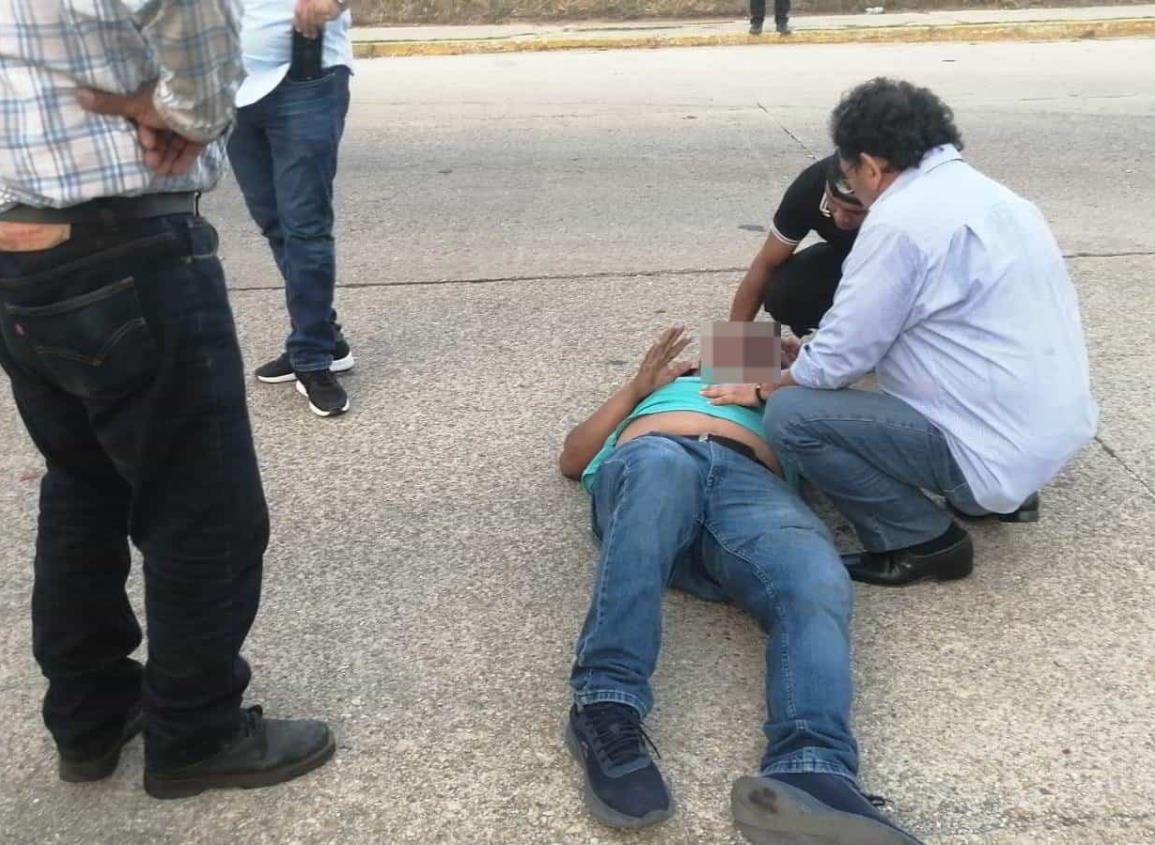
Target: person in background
x,y
118,340
796,287
781,16
291,112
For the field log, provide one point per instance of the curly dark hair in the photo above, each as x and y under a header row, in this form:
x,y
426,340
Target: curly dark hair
x,y
894,120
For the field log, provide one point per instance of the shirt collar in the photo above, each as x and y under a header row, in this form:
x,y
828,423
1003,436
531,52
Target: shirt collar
x,y
938,156
932,159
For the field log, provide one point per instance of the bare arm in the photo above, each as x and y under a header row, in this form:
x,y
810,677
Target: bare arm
x,y
751,292
658,368
586,440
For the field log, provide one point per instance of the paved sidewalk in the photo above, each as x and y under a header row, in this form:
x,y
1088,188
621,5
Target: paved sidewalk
x,y
971,25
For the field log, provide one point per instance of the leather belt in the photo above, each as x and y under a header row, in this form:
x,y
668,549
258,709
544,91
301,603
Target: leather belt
x,y
733,445
107,210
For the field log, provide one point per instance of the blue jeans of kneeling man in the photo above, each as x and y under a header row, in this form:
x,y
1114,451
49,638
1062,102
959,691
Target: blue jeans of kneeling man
x,y
676,511
873,455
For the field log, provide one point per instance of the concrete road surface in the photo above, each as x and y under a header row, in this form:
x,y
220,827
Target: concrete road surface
x,y
513,230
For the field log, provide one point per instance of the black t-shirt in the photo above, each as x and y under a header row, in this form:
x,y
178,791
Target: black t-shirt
x,y
803,210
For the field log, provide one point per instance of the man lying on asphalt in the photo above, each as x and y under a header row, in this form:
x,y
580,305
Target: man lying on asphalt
x,y
957,297
683,494
797,286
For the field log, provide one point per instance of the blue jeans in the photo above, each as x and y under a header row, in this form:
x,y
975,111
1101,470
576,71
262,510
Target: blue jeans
x,y
283,150
125,368
873,455
676,511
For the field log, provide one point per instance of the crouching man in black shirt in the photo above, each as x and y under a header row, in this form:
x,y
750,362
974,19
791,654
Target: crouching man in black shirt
x,y
797,286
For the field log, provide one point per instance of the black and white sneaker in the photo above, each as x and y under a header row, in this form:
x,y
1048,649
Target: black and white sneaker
x,y
279,370
326,396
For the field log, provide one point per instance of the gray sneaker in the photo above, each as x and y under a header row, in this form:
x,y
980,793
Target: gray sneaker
x,y
815,808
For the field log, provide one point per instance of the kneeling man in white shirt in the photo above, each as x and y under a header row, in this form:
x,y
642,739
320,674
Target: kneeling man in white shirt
x,y
956,296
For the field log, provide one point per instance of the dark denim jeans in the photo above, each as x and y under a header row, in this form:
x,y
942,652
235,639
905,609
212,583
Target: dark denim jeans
x,y
758,11
675,511
283,150
124,364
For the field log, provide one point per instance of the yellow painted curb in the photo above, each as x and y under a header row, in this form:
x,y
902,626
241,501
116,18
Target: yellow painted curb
x,y
1026,31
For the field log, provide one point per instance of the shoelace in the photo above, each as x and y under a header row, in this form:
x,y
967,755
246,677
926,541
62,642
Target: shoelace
x,y
620,733
323,378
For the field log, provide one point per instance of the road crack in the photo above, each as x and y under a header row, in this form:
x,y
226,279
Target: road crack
x,y
1127,467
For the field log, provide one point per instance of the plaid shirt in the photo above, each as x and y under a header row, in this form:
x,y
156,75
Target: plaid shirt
x,y
52,152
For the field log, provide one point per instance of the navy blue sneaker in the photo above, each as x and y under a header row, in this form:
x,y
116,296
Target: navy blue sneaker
x,y
817,809
623,786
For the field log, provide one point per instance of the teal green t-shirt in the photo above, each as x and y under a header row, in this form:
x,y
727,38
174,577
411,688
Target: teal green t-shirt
x,y
683,394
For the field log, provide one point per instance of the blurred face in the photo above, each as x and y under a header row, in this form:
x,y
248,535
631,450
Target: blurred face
x,y
846,215
869,177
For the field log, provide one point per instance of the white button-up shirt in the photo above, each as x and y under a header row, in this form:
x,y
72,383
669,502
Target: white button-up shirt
x,y
267,42
957,296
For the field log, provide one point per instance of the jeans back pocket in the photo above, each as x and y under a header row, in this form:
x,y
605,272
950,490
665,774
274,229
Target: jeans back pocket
x,y
91,345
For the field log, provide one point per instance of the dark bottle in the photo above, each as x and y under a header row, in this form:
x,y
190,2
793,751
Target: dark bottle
x,y
306,61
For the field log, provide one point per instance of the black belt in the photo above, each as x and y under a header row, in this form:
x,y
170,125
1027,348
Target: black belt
x,y
107,210
733,445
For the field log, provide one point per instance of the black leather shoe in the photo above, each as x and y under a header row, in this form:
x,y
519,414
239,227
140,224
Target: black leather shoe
x,y
901,566
755,27
89,768
1028,511
267,752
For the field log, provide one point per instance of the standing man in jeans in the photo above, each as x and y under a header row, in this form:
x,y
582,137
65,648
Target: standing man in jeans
x,y
290,119
116,334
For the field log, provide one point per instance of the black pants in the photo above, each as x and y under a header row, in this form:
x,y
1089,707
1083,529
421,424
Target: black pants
x,y
758,11
125,368
802,289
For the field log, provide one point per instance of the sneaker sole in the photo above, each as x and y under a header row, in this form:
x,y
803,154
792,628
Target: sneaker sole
x,y
1019,517
341,365
277,379
320,412
602,811
772,813
170,788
